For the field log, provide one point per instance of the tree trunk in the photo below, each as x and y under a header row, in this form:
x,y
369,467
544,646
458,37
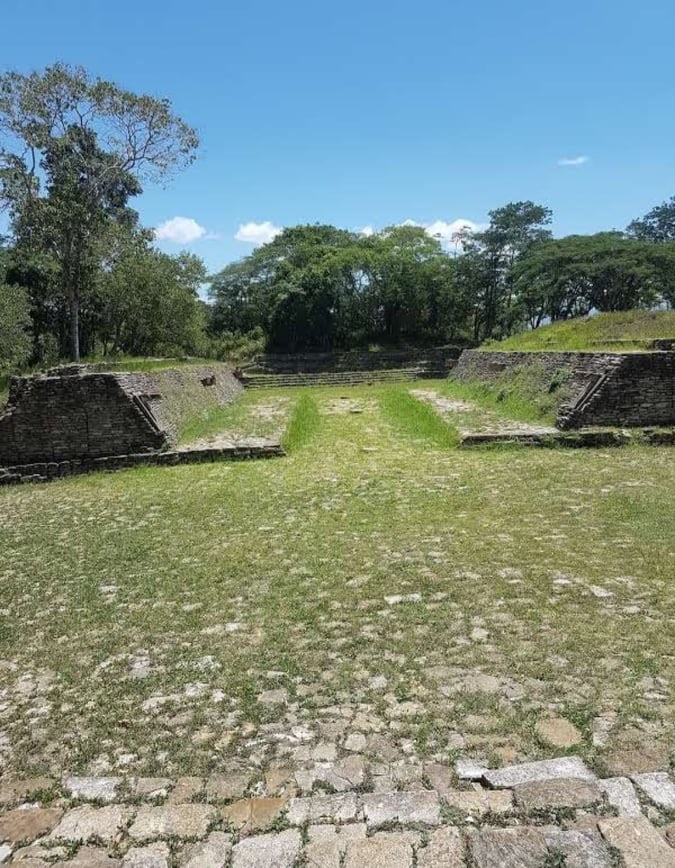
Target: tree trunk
x,y
75,328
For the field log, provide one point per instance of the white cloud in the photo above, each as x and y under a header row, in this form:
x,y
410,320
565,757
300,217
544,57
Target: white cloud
x,y
257,233
447,232
180,230
367,231
573,161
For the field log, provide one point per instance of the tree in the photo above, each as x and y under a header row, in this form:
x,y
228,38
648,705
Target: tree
x,y
657,225
484,272
571,276
73,150
15,339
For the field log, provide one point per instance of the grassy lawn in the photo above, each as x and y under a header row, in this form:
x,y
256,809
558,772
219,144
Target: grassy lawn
x,y
634,329
165,620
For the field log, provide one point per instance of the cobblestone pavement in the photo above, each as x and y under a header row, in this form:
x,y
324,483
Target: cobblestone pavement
x,y
543,814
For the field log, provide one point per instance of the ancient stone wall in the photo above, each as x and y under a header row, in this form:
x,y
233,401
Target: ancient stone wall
x,y
627,389
430,359
74,413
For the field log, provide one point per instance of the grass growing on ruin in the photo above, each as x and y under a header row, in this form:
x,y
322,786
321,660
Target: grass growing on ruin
x,y
436,600
412,418
633,329
303,425
519,395
261,413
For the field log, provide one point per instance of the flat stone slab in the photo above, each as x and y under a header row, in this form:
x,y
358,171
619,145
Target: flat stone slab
x,y
557,793
340,808
544,770
90,857
381,853
227,786
268,851
212,853
444,850
579,850
558,731
640,845
469,771
93,789
658,787
621,796
27,824
508,848
416,806
479,801
16,789
252,815
328,844
152,856
86,823
172,821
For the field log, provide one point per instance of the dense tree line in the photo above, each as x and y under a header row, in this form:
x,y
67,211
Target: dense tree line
x,y
79,275
318,287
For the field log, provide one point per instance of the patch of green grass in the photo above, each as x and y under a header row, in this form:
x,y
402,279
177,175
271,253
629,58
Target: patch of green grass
x,y
4,390
259,413
623,330
415,419
303,425
521,393
364,554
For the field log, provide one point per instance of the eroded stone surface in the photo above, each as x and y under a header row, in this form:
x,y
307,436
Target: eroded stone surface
x,y
384,852
339,808
175,821
251,815
268,851
221,787
92,789
444,850
558,732
14,790
508,848
638,842
86,823
28,824
543,770
478,802
557,793
91,857
658,787
212,853
418,806
152,856
327,844
579,850
621,795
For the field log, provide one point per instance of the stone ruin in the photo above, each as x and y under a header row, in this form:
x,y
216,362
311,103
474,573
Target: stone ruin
x,y
70,417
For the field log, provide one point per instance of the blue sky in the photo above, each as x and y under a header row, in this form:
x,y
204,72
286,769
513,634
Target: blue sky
x,y
370,113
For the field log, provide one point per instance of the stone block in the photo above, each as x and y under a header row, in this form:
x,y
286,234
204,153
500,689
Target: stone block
x,y
92,789
638,842
544,770
279,850
152,856
579,850
26,824
621,796
557,793
385,852
88,823
416,806
659,788
338,808
214,852
444,850
508,848
172,821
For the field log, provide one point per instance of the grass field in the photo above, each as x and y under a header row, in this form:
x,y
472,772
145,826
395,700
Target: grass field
x,y
376,580
624,330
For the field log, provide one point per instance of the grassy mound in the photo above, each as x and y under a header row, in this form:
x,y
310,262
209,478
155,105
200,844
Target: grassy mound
x,y
625,330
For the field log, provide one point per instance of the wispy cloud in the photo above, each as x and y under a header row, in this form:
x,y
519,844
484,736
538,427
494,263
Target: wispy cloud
x,y
367,231
180,230
573,161
257,233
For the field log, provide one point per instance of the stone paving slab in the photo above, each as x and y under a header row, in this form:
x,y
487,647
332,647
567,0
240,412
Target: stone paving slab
x,y
419,806
638,842
479,802
385,852
621,796
543,770
152,856
339,808
87,823
252,815
93,789
557,793
268,851
172,821
327,844
579,850
508,848
659,787
12,791
214,852
444,850
27,824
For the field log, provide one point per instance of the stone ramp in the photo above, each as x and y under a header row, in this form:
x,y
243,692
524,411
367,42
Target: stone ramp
x,y
530,815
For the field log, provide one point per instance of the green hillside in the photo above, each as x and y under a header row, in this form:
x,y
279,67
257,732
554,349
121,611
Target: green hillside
x,y
625,330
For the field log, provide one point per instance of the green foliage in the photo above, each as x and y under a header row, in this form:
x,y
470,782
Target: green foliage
x,y
318,287
236,347
521,394
657,225
303,424
15,338
608,271
72,153
634,329
416,419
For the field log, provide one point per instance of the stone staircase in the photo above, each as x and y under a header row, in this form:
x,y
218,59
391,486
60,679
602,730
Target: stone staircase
x,y
329,378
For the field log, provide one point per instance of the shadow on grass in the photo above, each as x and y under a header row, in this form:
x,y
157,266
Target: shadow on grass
x,y
416,419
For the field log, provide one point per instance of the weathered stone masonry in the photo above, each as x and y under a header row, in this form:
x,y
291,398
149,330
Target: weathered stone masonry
x,y
79,414
626,389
